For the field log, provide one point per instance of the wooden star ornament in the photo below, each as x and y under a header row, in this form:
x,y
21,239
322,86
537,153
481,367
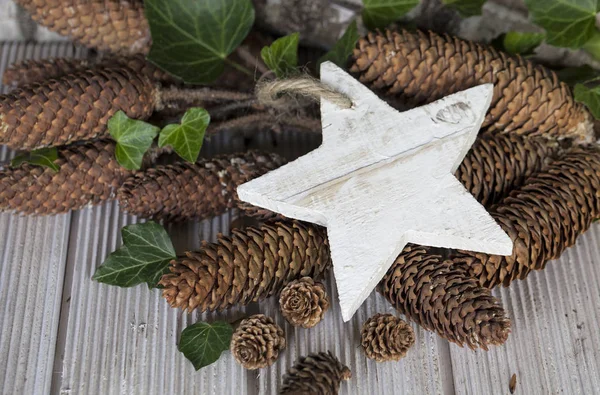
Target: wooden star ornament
x,y
382,179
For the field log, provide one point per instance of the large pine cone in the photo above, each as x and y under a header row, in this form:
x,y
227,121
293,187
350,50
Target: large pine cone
x,y
422,67
543,218
385,337
444,298
316,374
185,191
252,264
257,342
107,25
303,302
74,107
88,174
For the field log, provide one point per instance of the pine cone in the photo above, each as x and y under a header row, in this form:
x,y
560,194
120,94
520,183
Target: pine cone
x,y
543,218
257,342
249,266
316,374
186,191
444,298
107,25
423,67
88,174
303,302
39,71
72,108
385,337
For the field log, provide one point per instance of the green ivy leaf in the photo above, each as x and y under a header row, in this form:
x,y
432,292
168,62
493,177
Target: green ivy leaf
x,y
568,24
466,8
522,43
143,258
574,75
592,46
202,343
343,47
133,139
282,55
380,13
44,157
186,138
191,39
590,96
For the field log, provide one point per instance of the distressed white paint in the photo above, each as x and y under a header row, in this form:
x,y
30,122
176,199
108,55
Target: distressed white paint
x,y
382,179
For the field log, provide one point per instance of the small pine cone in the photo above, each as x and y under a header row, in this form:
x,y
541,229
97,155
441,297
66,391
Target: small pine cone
x,y
186,191
497,164
88,174
444,298
74,107
39,71
107,25
249,266
543,218
303,302
316,374
422,67
257,342
385,337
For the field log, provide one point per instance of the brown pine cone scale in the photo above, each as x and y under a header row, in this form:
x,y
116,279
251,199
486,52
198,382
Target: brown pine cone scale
x,y
385,337
423,67
303,302
315,374
200,190
257,342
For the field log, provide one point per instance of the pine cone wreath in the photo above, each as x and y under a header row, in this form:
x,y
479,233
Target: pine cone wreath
x,y
108,25
315,374
88,174
444,298
74,107
185,191
249,266
257,342
543,218
303,302
423,67
385,337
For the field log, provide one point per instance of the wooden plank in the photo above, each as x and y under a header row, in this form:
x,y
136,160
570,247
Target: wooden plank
x,y
554,346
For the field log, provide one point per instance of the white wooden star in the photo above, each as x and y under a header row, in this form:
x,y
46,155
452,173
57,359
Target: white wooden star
x,y
382,179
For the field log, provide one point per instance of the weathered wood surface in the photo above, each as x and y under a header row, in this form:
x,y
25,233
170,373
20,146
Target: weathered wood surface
x,y
61,333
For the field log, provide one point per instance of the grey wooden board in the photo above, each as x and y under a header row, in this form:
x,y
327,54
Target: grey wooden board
x,y
62,333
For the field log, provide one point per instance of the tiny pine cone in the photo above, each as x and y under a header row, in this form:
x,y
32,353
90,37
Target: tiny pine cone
x,y
385,337
303,302
257,342
315,374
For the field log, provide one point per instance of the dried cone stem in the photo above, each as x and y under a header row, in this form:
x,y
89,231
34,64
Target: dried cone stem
x,y
385,337
249,266
74,107
422,67
316,374
543,218
303,302
88,174
444,298
107,25
193,191
257,342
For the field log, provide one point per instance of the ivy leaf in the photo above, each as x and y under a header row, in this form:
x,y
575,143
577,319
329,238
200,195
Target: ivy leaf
x,y
187,137
574,75
143,258
590,96
466,8
202,343
522,43
380,13
133,139
44,157
191,39
592,46
568,24
343,47
282,55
